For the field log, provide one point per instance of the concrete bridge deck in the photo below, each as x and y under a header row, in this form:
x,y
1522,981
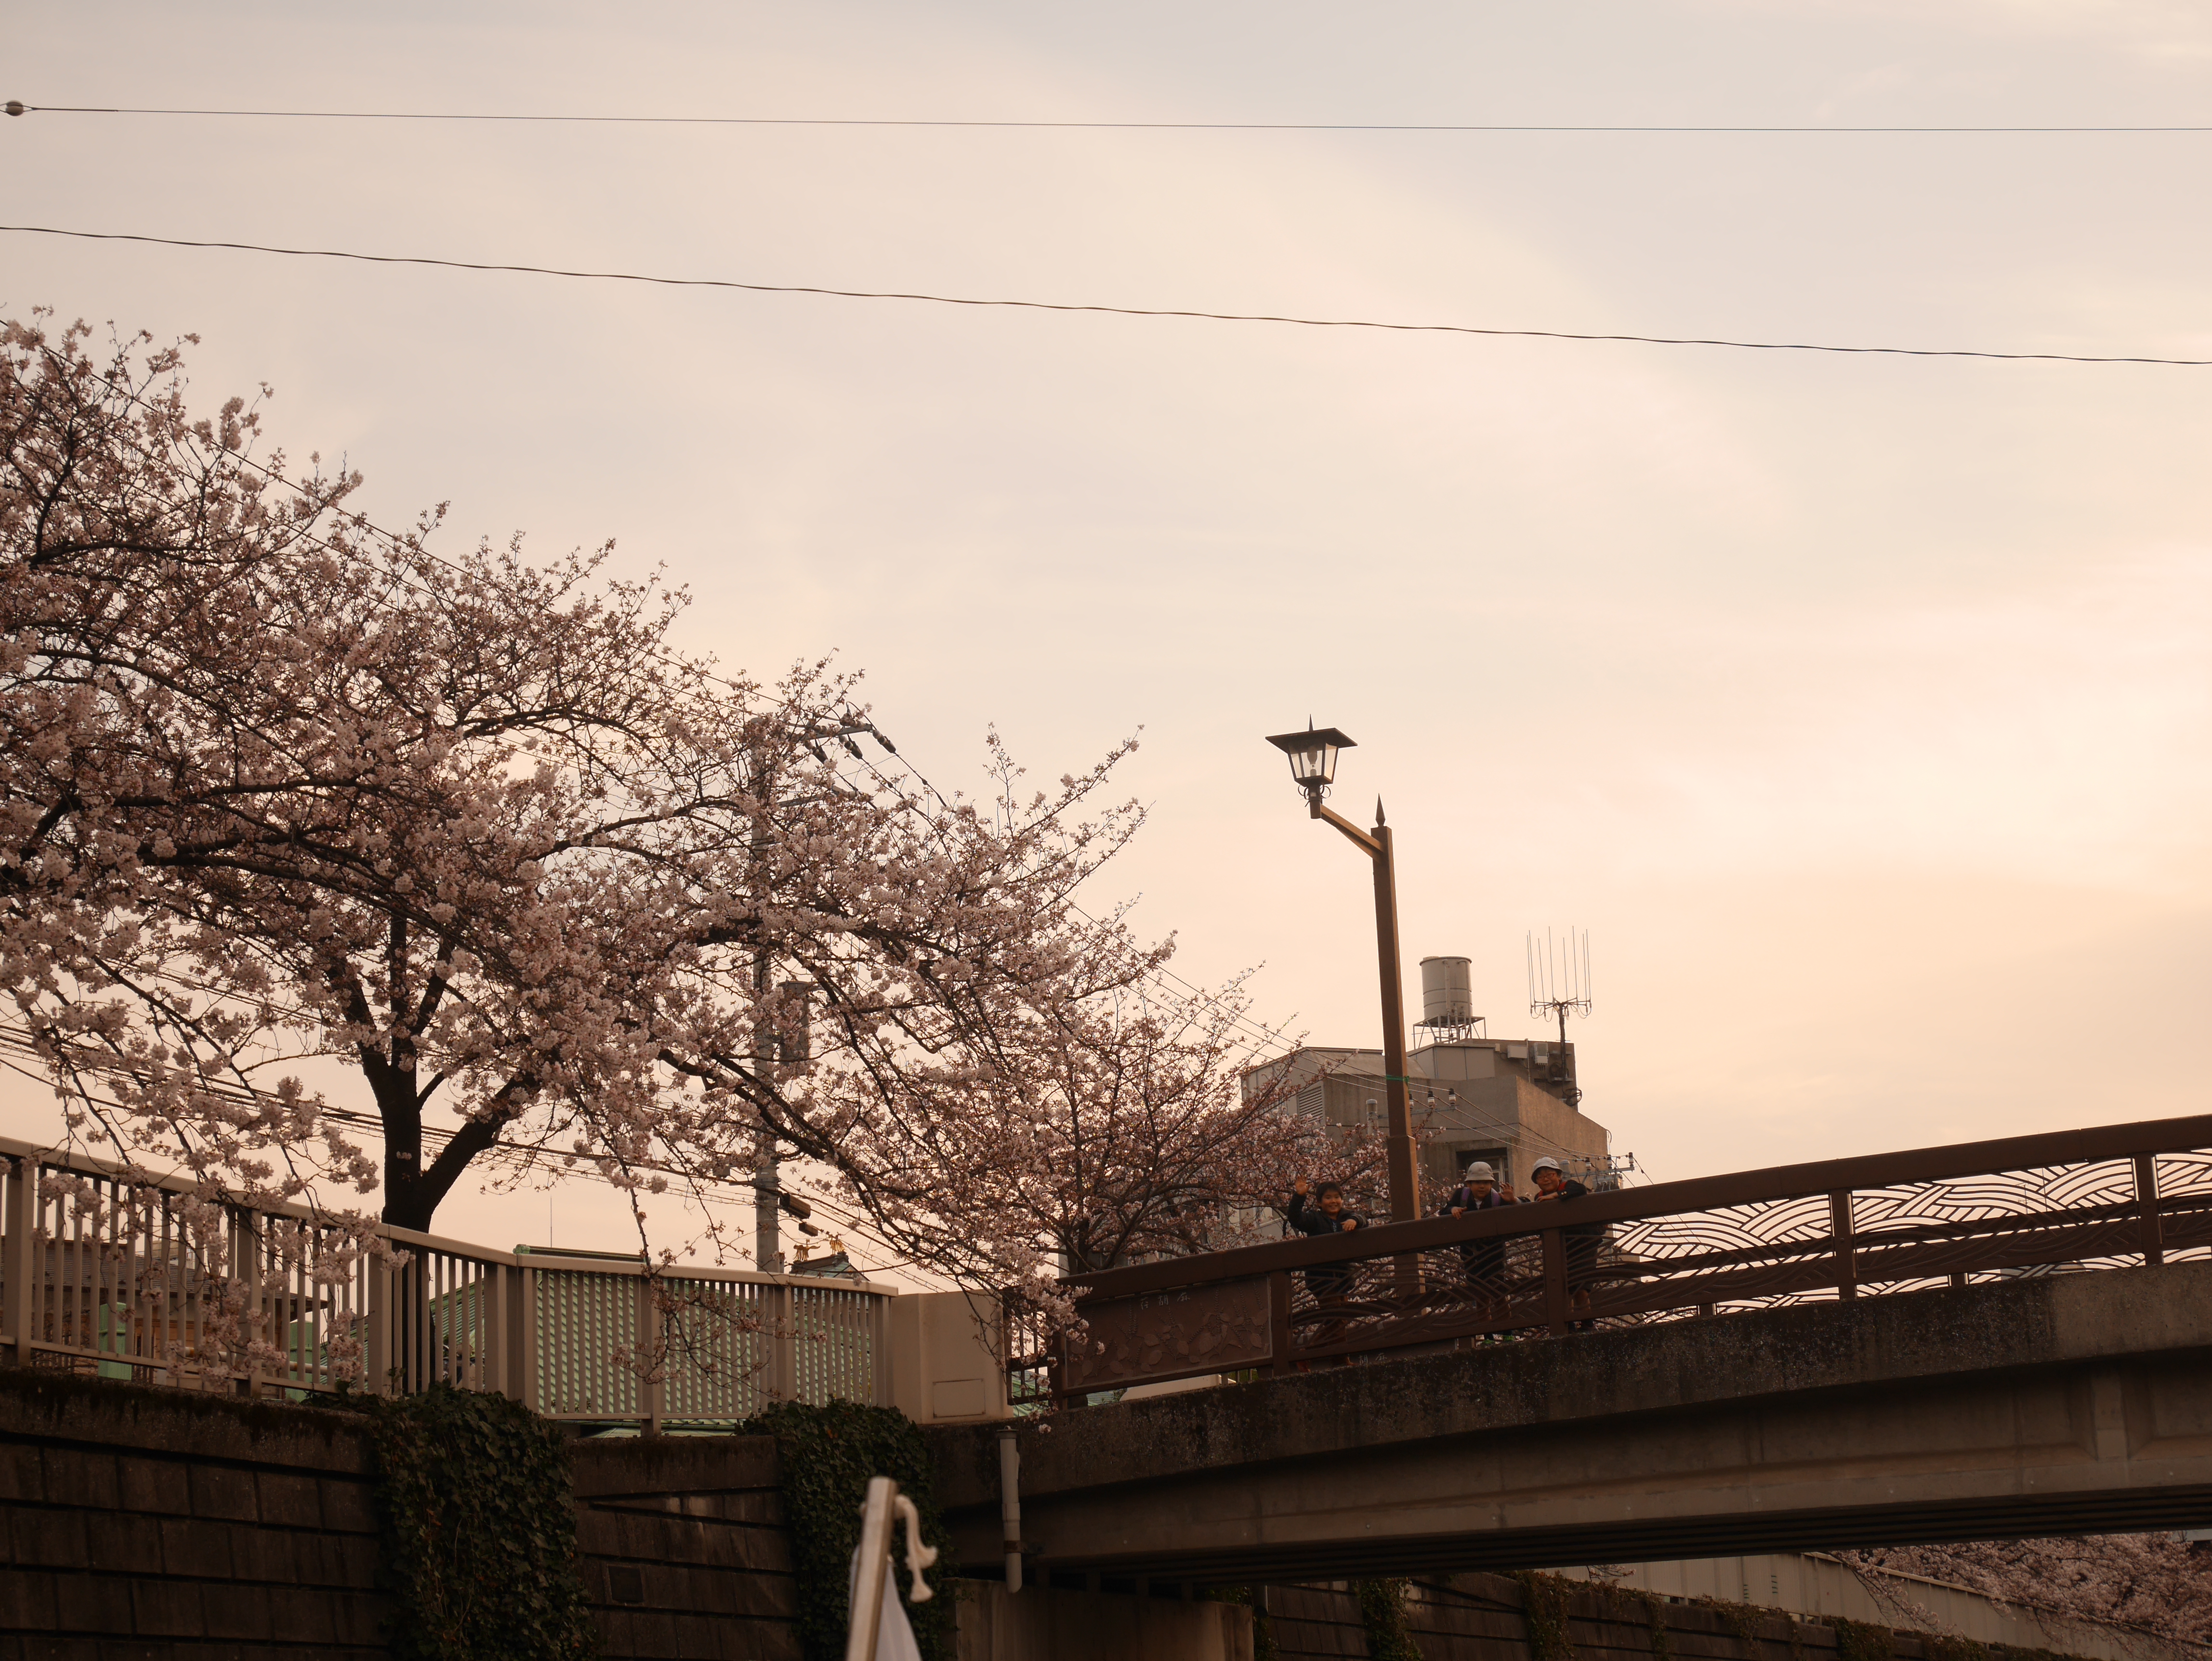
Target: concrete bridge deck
x,y
2065,1403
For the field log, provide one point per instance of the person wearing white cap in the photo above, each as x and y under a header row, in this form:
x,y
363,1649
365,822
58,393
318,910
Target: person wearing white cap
x,y
1484,1260
1581,1239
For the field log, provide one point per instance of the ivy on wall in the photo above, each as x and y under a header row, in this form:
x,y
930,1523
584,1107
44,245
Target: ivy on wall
x,y
479,1530
829,1453
1544,1607
1858,1641
1626,1604
1383,1613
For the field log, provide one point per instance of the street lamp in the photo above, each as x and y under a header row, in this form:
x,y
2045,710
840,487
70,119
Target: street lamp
x,y
1313,763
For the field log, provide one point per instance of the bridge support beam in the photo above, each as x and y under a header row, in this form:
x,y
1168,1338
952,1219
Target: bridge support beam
x,y
2067,1403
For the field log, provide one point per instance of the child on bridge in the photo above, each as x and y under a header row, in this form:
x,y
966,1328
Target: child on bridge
x,y
1328,1284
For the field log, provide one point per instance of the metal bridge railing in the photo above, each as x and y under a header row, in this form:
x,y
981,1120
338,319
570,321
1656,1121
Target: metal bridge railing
x,y
2108,1197
125,1277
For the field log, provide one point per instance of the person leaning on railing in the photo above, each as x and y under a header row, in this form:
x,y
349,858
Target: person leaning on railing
x,y
1327,1284
1484,1260
1581,1240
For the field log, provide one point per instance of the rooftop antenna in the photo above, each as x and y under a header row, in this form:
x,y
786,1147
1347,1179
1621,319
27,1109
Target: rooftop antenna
x,y
1559,975
1559,980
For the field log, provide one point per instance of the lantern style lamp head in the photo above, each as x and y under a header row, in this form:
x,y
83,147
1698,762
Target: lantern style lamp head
x,y
1313,758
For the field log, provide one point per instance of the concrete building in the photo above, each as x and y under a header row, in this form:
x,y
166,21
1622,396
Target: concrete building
x,y
1505,1101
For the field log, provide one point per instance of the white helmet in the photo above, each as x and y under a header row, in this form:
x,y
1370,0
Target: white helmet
x,y
1478,1172
1548,1162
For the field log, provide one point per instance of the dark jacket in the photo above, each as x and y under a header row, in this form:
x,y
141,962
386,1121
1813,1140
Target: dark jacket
x,y
1570,1191
1463,1197
1312,1220
1326,1279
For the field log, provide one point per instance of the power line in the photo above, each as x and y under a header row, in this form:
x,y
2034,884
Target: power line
x,y
1113,311
16,108
21,1041
1260,1036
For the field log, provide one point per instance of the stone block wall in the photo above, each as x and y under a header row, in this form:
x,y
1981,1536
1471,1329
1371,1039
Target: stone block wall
x,y
141,1525
686,1548
150,1523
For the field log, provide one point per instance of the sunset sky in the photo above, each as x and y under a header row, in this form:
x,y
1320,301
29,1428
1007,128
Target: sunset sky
x,y
1857,706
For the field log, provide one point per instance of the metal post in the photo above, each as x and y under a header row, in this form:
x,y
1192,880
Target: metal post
x,y
1556,1306
1010,1505
879,1348
651,1386
776,1306
1847,1271
21,1285
1405,1186
491,1322
378,1362
2154,1243
245,1258
1279,1322
524,1333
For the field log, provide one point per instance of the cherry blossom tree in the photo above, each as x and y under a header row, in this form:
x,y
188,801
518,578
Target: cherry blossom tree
x,y
1116,1130
2151,1584
279,790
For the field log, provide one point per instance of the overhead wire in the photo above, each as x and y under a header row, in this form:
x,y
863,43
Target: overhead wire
x,y
1072,306
15,106
1261,1038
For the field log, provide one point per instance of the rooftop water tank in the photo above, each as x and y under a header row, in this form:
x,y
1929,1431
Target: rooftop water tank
x,y
1447,997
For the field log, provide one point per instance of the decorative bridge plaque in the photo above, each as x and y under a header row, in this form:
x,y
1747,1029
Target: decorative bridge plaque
x,y
1169,1335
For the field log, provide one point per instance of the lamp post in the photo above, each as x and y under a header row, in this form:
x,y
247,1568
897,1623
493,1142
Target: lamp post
x,y
1312,764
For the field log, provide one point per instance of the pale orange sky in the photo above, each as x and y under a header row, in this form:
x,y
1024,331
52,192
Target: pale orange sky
x,y
1856,706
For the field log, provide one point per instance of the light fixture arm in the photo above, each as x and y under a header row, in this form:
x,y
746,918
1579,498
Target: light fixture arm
x,y
1366,843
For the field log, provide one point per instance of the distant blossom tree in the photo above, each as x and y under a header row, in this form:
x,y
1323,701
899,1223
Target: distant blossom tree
x,y
277,788
2153,1584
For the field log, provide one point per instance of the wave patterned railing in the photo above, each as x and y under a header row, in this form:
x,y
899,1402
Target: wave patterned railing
x,y
2072,1202
106,1273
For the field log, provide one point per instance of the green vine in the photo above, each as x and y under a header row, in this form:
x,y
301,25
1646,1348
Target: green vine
x,y
1855,1641
1744,1619
1383,1612
1544,1606
828,1454
479,1530
1624,1604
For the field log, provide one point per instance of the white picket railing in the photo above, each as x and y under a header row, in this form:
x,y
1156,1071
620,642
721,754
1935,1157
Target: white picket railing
x,y
139,1280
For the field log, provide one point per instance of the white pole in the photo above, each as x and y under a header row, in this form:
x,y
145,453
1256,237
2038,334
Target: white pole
x,y
869,1570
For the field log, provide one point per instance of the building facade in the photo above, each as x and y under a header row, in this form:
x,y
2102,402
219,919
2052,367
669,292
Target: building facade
x,y
1508,1102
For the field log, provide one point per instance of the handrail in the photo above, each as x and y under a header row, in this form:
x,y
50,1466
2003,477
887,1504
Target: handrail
x,y
128,1280
96,1166
1773,1183
2101,1197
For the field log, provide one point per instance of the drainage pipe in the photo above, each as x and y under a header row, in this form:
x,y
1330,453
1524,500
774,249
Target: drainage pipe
x,y
1009,1503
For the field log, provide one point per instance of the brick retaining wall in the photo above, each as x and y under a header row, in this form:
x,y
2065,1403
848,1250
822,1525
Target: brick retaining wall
x,y
154,1523
139,1525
